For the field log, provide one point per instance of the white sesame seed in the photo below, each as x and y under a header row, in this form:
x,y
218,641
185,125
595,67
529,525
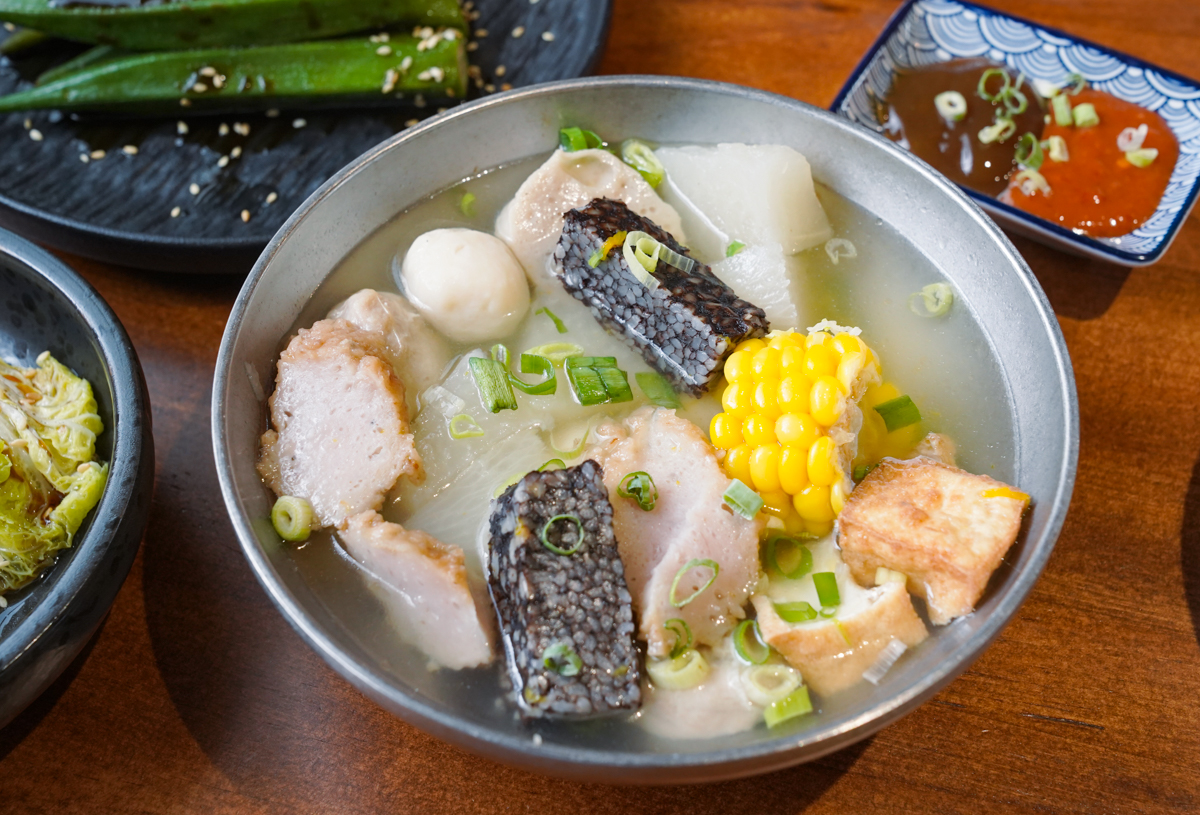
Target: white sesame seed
x,y
450,35
384,50
97,155
236,152
9,27
441,110
35,134
130,150
272,113
471,46
406,63
194,188
480,33
3,602
410,122
389,80
199,87
490,88
218,81
84,158
223,129
245,216
437,73
223,161
533,2
425,75
518,32
181,128
548,36
382,36
175,212
501,70
241,128
185,103
28,123
208,70
299,123
272,197
506,87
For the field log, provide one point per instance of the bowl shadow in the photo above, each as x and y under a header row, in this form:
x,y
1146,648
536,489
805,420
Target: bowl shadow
x,y
1189,545
1077,287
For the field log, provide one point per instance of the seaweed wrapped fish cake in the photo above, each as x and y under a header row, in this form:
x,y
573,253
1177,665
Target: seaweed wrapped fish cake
x,y
558,585
684,327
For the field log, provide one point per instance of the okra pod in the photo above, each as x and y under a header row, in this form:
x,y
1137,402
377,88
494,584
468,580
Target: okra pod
x,y
210,23
341,71
90,57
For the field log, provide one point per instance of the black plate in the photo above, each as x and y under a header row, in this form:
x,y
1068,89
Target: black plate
x,y
118,209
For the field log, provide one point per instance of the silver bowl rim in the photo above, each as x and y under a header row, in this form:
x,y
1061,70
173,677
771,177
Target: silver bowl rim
x,y
764,756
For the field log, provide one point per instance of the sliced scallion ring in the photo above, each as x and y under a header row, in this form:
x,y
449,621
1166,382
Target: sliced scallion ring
x,y
998,131
1031,181
796,703
638,155
1075,83
986,77
827,590
466,204
558,324
897,413
1132,138
784,551
534,364
562,659
933,300
1015,102
553,464
951,106
767,684
640,487
1029,151
797,612
1061,107
1085,115
685,671
683,636
749,644
463,426
838,248
292,518
694,563
1056,149
558,550
556,352
1143,157
733,248
742,500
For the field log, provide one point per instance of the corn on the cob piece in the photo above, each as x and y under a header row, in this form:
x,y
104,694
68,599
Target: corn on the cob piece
x,y
792,425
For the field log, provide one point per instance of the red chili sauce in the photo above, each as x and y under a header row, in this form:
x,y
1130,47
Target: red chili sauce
x,y
1096,190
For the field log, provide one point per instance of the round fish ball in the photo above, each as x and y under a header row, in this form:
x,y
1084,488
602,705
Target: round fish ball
x,y
467,284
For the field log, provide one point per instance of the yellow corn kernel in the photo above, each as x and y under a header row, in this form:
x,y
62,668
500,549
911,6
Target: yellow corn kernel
x,y
777,503
849,369
818,528
794,392
764,468
870,438
791,360
766,399
813,503
793,523
878,394
819,338
758,430
737,463
793,468
766,363
725,431
900,442
782,341
752,346
826,401
738,399
738,367
1005,492
796,428
845,343
822,470
819,360
837,497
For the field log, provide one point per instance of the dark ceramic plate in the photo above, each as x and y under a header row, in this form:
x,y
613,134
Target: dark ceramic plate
x,y
46,306
118,209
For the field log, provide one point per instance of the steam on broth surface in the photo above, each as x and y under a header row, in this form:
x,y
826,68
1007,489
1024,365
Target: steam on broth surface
x,y
945,365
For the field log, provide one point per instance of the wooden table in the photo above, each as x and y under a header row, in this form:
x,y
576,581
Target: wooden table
x,y
197,697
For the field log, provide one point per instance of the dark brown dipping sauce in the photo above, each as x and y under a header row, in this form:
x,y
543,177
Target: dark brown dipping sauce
x,y
910,117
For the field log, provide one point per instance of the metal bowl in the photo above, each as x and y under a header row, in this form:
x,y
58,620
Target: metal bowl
x,y
46,306
955,236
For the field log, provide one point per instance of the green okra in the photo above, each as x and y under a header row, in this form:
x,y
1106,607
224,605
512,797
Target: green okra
x,y
92,56
22,40
341,71
192,24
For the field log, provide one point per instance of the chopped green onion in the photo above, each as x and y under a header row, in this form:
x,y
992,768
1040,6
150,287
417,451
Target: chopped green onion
x,y
733,248
999,131
578,451
292,518
683,636
612,242
558,324
638,155
642,253
678,673
553,464
753,651
532,696
845,634
591,362
658,390
597,380
1075,83
511,480
533,364
742,500
768,683
863,470
1017,107
827,589
467,204
789,707
562,659
827,612
899,412
556,352
1061,107
951,106
933,300
798,612
982,90
587,386
558,550
616,384
640,487
694,563
1030,181
838,248
491,379
800,558
1132,138
1056,149
1029,151
1143,157
463,426
571,139
1085,115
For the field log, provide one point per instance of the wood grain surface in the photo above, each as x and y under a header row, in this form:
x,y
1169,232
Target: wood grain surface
x,y
197,697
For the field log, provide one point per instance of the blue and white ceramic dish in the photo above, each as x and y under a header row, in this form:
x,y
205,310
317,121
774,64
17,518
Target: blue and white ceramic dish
x,y
928,31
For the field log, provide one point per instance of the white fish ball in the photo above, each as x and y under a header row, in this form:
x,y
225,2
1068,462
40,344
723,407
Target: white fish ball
x,y
467,284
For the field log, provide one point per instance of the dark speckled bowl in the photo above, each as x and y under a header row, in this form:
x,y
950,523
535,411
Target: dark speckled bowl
x,y
46,306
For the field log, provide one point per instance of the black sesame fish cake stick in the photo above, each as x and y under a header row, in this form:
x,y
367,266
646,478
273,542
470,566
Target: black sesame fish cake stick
x,y
558,585
684,328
